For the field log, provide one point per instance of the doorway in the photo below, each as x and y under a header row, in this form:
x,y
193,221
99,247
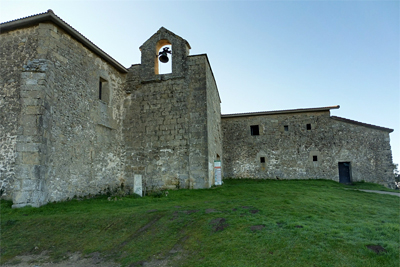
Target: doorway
x,y
344,173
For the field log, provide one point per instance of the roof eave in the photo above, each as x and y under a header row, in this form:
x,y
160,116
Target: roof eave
x,y
287,111
50,16
362,124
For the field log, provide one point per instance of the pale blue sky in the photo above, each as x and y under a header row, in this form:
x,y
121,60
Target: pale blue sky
x,y
265,55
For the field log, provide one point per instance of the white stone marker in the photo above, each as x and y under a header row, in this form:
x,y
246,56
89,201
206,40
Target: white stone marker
x,y
217,172
137,187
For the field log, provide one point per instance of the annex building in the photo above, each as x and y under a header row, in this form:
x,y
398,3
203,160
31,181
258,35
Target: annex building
x,y
75,122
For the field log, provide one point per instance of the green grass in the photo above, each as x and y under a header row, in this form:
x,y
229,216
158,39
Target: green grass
x,y
306,223
370,186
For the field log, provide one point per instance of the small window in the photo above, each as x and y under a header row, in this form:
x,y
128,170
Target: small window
x,y
100,88
262,159
286,127
104,91
308,126
254,130
314,158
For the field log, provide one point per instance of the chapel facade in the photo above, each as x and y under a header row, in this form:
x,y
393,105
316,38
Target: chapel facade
x,y
75,122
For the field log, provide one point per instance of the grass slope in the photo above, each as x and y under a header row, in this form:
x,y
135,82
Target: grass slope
x,y
242,223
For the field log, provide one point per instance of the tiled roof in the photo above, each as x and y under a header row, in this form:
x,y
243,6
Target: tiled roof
x,y
362,124
300,110
50,16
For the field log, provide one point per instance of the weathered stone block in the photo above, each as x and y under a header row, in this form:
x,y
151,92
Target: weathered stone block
x,y
28,131
28,147
21,198
30,158
31,101
24,171
36,94
29,185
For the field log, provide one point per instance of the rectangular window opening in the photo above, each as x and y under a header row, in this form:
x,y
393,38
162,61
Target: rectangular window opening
x,y
100,88
314,158
308,126
286,127
104,91
254,129
262,159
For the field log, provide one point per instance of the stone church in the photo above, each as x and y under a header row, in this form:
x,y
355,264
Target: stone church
x,y
75,122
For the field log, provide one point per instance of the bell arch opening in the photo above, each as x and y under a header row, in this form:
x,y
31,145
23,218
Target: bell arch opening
x,y
163,52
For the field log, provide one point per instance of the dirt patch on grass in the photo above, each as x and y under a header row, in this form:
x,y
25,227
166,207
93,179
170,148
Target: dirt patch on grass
x,y
140,231
170,258
252,210
175,216
190,211
376,248
255,228
150,211
73,259
280,224
174,255
210,211
219,224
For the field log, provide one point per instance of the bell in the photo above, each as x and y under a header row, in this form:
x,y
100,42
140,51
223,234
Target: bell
x,y
164,58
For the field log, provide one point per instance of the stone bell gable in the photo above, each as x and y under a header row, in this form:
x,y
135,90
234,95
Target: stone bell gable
x,y
172,125
150,49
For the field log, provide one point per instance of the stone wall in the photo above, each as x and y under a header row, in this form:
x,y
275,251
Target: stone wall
x,y
170,118
213,123
367,149
76,126
17,49
71,141
166,126
156,133
29,185
84,137
291,151
198,131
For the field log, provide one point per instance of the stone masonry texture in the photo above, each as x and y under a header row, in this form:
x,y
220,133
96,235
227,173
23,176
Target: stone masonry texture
x,y
288,148
74,122
170,117
17,49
